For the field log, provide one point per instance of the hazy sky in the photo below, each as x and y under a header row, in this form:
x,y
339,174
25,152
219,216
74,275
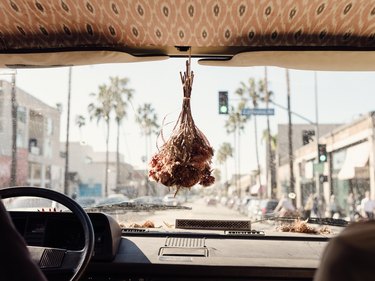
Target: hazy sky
x,y
342,97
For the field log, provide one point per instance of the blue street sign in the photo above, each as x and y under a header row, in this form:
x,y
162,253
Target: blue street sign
x,y
258,111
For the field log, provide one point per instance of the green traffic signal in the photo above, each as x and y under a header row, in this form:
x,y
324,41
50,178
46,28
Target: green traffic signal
x,y
322,153
223,103
322,158
223,109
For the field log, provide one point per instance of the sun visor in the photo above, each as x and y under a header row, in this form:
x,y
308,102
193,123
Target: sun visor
x,y
56,59
304,60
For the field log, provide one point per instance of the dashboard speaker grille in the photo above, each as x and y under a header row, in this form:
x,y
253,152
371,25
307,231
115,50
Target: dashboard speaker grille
x,y
51,258
213,224
185,242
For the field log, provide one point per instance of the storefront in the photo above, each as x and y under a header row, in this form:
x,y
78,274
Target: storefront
x,y
350,173
307,181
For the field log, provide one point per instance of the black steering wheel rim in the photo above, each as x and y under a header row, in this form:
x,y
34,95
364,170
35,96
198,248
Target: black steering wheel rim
x,y
73,206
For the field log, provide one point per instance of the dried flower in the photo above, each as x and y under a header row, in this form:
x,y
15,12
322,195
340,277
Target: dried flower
x,y
185,158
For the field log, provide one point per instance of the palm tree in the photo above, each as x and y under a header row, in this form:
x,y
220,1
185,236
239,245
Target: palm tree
x,y
235,124
148,121
224,152
253,92
122,96
80,121
112,97
101,110
266,98
271,149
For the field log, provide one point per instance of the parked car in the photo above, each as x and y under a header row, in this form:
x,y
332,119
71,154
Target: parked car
x,y
224,200
212,201
171,200
230,202
87,201
113,199
265,208
143,200
30,204
252,208
244,204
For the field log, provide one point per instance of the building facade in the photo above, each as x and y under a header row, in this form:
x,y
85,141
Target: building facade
x,y
89,166
38,138
349,167
300,143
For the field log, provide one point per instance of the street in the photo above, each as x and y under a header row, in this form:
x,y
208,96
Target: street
x,y
200,210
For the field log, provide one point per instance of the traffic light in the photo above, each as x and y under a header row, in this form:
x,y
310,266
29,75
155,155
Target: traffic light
x,y
322,153
323,178
307,136
223,103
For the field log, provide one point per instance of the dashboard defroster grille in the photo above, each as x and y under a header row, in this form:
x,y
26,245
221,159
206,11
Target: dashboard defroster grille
x,y
214,224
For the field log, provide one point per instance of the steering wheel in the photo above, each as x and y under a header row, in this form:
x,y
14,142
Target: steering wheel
x,y
75,261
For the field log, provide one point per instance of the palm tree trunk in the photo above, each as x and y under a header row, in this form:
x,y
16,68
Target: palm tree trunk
x,y
106,160
118,155
290,134
269,173
239,164
226,174
148,191
13,170
256,150
235,159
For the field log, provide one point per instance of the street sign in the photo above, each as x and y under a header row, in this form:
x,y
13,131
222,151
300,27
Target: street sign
x,y
258,111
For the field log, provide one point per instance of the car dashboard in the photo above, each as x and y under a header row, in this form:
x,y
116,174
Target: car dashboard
x,y
140,254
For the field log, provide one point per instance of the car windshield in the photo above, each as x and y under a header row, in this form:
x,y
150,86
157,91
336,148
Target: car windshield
x,y
287,143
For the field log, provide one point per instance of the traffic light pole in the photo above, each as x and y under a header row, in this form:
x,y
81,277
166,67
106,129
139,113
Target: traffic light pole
x,y
292,112
317,182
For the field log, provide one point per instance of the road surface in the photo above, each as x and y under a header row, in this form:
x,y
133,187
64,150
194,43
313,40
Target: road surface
x,y
200,210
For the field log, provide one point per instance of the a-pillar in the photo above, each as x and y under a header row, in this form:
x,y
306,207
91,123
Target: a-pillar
x,y
371,162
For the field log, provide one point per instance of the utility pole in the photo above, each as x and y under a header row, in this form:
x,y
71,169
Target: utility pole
x,y
290,134
66,176
317,183
270,181
13,170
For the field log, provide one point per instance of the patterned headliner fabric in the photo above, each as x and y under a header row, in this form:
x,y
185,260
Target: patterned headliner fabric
x,y
116,24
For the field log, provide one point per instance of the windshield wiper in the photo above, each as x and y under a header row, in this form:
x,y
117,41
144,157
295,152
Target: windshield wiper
x,y
320,221
133,207
328,221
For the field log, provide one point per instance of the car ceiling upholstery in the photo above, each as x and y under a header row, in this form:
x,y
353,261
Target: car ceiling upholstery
x,y
215,29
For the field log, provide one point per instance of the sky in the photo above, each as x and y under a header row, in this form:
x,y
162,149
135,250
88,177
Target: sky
x,y
342,97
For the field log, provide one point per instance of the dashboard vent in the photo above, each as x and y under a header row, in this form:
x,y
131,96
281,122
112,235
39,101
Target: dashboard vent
x,y
133,230
252,232
184,242
214,224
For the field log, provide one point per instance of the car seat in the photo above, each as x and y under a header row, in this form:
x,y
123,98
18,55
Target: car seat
x,y
15,260
350,255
